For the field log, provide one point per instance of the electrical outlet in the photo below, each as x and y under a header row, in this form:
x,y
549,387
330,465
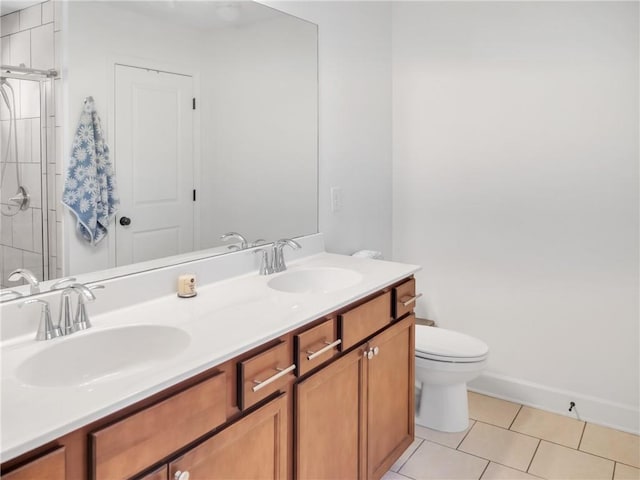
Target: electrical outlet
x,y
336,199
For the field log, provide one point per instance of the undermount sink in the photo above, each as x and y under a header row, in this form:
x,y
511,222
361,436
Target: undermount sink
x,y
89,357
315,280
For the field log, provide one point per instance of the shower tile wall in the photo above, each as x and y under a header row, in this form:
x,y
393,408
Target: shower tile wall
x,y
29,37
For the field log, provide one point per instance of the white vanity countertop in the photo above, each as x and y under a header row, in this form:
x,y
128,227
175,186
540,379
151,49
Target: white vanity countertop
x,y
225,319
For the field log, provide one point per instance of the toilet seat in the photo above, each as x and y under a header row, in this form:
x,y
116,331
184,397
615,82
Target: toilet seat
x,y
443,345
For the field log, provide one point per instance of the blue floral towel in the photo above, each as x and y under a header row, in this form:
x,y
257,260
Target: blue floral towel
x,y
89,187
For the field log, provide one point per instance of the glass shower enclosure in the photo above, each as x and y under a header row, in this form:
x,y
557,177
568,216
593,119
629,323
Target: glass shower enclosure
x,y
27,171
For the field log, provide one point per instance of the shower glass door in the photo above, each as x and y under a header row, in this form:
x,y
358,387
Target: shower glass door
x,y
26,139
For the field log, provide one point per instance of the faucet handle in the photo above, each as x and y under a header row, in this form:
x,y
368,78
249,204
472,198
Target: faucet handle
x,y
81,321
60,284
82,290
287,241
46,330
266,267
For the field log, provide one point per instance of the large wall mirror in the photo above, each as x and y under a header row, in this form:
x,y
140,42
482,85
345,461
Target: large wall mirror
x,y
210,111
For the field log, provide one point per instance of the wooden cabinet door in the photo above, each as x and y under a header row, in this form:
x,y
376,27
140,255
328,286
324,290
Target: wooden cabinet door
x,y
390,396
255,447
47,467
329,433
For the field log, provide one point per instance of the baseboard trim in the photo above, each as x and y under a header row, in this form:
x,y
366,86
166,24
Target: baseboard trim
x,y
588,408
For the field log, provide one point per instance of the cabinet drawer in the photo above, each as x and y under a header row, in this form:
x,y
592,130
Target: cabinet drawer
x,y
364,320
130,445
315,346
51,466
264,373
404,296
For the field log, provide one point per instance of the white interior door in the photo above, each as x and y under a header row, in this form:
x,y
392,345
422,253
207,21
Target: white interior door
x,y
153,157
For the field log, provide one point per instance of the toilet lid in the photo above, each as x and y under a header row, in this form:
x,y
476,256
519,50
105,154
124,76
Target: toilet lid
x,y
447,345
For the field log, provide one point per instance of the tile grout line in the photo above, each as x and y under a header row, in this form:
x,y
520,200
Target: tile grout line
x,y
485,469
516,469
461,451
601,457
534,455
490,461
514,418
405,476
466,434
582,436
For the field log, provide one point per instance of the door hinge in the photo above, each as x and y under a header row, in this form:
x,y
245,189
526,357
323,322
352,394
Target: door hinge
x,y
194,103
194,194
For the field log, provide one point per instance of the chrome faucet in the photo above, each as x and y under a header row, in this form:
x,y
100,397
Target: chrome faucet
x,y
278,256
227,236
46,329
28,275
67,322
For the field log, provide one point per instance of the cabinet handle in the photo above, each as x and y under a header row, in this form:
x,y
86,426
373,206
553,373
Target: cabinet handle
x,y
281,373
328,347
376,351
181,475
369,354
409,301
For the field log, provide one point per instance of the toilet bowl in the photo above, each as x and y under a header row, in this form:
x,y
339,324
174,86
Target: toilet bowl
x,y
445,362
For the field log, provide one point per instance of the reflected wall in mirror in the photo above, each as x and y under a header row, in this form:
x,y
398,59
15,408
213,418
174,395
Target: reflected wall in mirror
x,y
245,159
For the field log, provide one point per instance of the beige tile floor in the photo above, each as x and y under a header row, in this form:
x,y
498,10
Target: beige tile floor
x,y
509,441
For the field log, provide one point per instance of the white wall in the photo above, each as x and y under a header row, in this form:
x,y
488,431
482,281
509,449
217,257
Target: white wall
x,y
354,43
515,186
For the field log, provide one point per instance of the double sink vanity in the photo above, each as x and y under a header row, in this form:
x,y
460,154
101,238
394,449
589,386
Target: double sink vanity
x,y
307,373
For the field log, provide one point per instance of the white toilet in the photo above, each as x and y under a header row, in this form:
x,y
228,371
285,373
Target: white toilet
x,y
445,362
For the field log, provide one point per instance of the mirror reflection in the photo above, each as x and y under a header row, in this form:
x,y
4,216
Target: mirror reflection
x,y
209,111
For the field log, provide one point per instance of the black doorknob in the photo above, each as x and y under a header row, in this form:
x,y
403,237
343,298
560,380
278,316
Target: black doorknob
x,y
125,221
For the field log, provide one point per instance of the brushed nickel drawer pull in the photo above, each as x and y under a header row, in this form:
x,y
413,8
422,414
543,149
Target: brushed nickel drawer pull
x,y
281,373
409,301
328,347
